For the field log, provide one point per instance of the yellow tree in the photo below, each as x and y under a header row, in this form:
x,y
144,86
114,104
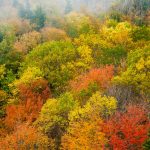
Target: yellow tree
x,y
85,124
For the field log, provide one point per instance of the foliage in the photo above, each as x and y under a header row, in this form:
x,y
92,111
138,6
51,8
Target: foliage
x,y
97,105
137,73
111,45
31,73
38,18
7,40
25,137
78,23
95,79
27,42
141,33
53,34
7,79
3,102
146,144
53,118
84,135
32,97
120,35
60,62
84,127
128,130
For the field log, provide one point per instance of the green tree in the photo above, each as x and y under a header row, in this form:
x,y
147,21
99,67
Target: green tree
x,y
38,18
60,62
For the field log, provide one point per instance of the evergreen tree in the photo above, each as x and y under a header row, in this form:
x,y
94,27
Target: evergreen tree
x,y
39,18
68,8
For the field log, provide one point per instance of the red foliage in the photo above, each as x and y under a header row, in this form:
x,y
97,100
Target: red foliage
x,y
128,130
100,76
32,99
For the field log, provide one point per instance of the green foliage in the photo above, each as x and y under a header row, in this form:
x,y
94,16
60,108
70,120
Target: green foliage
x,y
38,18
6,43
115,15
137,73
141,33
3,102
60,62
6,77
9,78
110,46
146,145
113,55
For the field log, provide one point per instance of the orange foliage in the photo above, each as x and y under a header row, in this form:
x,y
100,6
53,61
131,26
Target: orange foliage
x,y
25,137
100,76
53,34
128,130
32,98
36,90
27,42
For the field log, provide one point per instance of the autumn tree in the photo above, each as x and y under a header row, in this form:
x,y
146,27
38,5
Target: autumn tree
x,y
84,122
137,74
27,42
31,99
53,119
110,45
84,135
25,137
94,80
128,130
53,34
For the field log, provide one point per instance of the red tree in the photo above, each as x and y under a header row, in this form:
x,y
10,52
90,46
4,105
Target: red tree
x,y
128,130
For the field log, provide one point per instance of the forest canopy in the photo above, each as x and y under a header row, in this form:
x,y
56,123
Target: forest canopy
x,y
75,75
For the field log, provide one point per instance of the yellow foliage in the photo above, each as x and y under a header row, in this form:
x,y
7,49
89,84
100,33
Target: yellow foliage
x,y
84,135
97,104
118,35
